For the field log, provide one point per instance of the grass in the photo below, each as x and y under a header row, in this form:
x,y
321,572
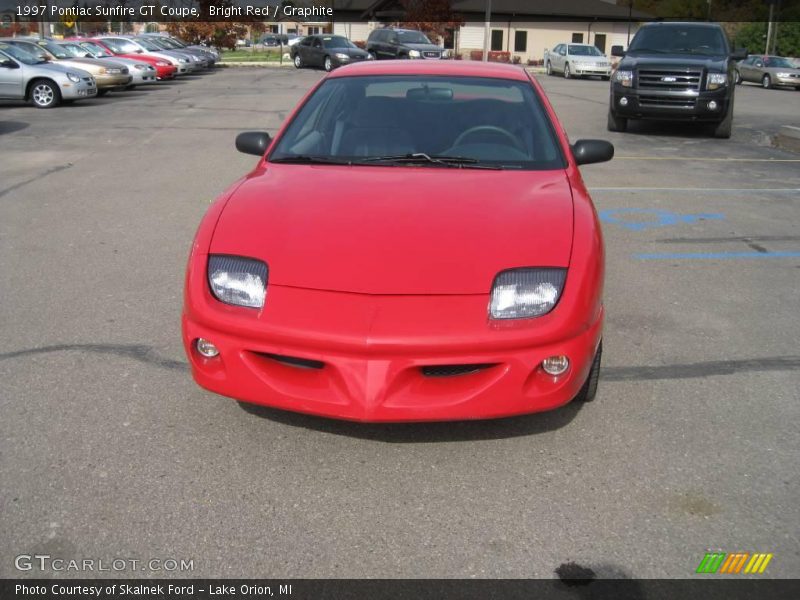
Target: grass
x,y
251,55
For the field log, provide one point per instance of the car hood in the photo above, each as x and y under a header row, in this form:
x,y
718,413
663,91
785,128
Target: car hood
x,y
673,61
350,51
589,59
397,230
93,65
423,47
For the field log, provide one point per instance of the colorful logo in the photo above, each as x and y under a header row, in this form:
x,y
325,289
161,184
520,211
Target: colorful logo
x,y
734,563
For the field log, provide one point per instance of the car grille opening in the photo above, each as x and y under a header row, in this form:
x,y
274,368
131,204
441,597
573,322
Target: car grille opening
x,y
453,370
667,101
673,81
293,361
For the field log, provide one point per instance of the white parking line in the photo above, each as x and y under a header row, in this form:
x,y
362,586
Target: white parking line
x,y
708,159
699,190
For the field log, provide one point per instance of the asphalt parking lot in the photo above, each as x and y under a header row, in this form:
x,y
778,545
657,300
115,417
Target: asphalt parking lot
x,y
109,450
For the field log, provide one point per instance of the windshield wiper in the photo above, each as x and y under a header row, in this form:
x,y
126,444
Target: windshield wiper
x,y
458,162
305,159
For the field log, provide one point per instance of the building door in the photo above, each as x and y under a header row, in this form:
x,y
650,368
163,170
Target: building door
x,y
600,42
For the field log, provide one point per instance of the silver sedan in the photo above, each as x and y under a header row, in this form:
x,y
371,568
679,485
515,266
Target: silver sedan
x,y
769,71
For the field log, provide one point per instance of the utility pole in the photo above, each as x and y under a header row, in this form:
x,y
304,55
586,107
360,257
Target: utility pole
x,y
769,27
487,30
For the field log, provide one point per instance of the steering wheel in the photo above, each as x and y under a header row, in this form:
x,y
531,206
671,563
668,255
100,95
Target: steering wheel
x,y
488,129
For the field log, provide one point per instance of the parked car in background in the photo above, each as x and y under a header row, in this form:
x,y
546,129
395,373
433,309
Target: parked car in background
x,y
142,73
389,43
577,60
165,69
769,71
675,71
108,75
204,58
24,76
326,51
183,64
179,44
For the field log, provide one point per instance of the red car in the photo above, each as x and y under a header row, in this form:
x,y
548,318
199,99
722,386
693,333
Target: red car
x,y
164,70
415,244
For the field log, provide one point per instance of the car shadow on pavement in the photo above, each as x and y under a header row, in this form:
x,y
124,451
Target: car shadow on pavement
x,y
12,126
670,129
426,432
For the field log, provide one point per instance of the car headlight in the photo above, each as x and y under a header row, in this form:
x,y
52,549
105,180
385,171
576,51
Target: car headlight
x,y
370,57
162,63
716,80
414,53
139,67
526,293
624,78
342,56
103,71
184,60
783,74
237,280
74,77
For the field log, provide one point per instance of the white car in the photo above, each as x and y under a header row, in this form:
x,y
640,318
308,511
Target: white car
x,y
577,60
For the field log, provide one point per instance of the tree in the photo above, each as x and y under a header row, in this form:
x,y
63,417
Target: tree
x,y
753,36
432,17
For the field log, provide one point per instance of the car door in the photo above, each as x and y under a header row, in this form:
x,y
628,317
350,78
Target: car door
x,y
316,52
758,70
302,47
557,60
10,77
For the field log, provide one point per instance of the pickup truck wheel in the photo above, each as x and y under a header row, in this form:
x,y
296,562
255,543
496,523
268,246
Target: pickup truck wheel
x,y
567,74
549,68
766,83
616,123
724,128
45,94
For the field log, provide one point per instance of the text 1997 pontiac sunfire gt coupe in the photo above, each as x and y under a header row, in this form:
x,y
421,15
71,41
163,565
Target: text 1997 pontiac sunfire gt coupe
x,y
415,244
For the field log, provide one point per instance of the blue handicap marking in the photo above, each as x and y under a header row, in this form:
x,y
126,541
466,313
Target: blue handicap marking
x,y
661,218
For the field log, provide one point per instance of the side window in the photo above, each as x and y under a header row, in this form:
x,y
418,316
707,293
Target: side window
x,y
317,43
391,37
759,63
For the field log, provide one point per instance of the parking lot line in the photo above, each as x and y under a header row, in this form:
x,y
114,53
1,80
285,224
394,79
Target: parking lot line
x,y
714,255
699,190
709,159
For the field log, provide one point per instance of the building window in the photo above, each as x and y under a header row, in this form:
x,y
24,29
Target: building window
x,y
600,42
520,41
497,40
313,30
577,38
450,39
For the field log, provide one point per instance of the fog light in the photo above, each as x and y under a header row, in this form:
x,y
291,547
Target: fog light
x,y
555,365
712,105
623,101
206,348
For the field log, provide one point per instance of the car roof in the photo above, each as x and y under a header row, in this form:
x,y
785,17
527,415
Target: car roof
x,y
682,24
457,68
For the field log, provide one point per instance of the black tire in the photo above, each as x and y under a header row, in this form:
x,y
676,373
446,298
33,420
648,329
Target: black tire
x,y
103,92
549,68
567,73
130,87
298,61
766,82
724,128
588,392
327,64
605,77
44,94
616,123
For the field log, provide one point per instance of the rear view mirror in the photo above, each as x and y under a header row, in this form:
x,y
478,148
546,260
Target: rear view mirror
x,y
617,51
429,93
253,142
592,151
739,54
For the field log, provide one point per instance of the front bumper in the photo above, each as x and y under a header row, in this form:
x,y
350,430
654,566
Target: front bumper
x,y
86,88
597,70
113,81
143,77
786,81
367,354
679,106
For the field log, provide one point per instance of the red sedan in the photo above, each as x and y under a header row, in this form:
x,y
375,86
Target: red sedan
x,y
164,70
415,244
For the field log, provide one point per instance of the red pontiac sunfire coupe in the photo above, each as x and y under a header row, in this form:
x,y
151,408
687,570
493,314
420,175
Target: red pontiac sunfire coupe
x,y
415,244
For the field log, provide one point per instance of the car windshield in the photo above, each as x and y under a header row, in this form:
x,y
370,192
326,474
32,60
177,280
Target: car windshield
x,y
581,50
160,44
121,46
21,55
96,49
436,121
37,51
778,61
337,41
679,39
148,45
74,50
56,50
412,37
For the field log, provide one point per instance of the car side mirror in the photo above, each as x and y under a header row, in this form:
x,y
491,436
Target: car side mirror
x,y
739,54
9,64
253,142
617,51
592,151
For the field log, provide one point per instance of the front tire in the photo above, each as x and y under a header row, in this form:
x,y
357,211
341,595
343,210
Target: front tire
x,y
567,73
298,62
738,78
102,92
616,123
549,68
766,82
589,390
724,128
327,64
45,94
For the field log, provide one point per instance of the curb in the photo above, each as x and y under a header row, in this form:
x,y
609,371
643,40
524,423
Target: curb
x,y
788,138
254,63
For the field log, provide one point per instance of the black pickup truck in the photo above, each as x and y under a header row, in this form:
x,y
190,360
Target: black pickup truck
x,y
675,71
